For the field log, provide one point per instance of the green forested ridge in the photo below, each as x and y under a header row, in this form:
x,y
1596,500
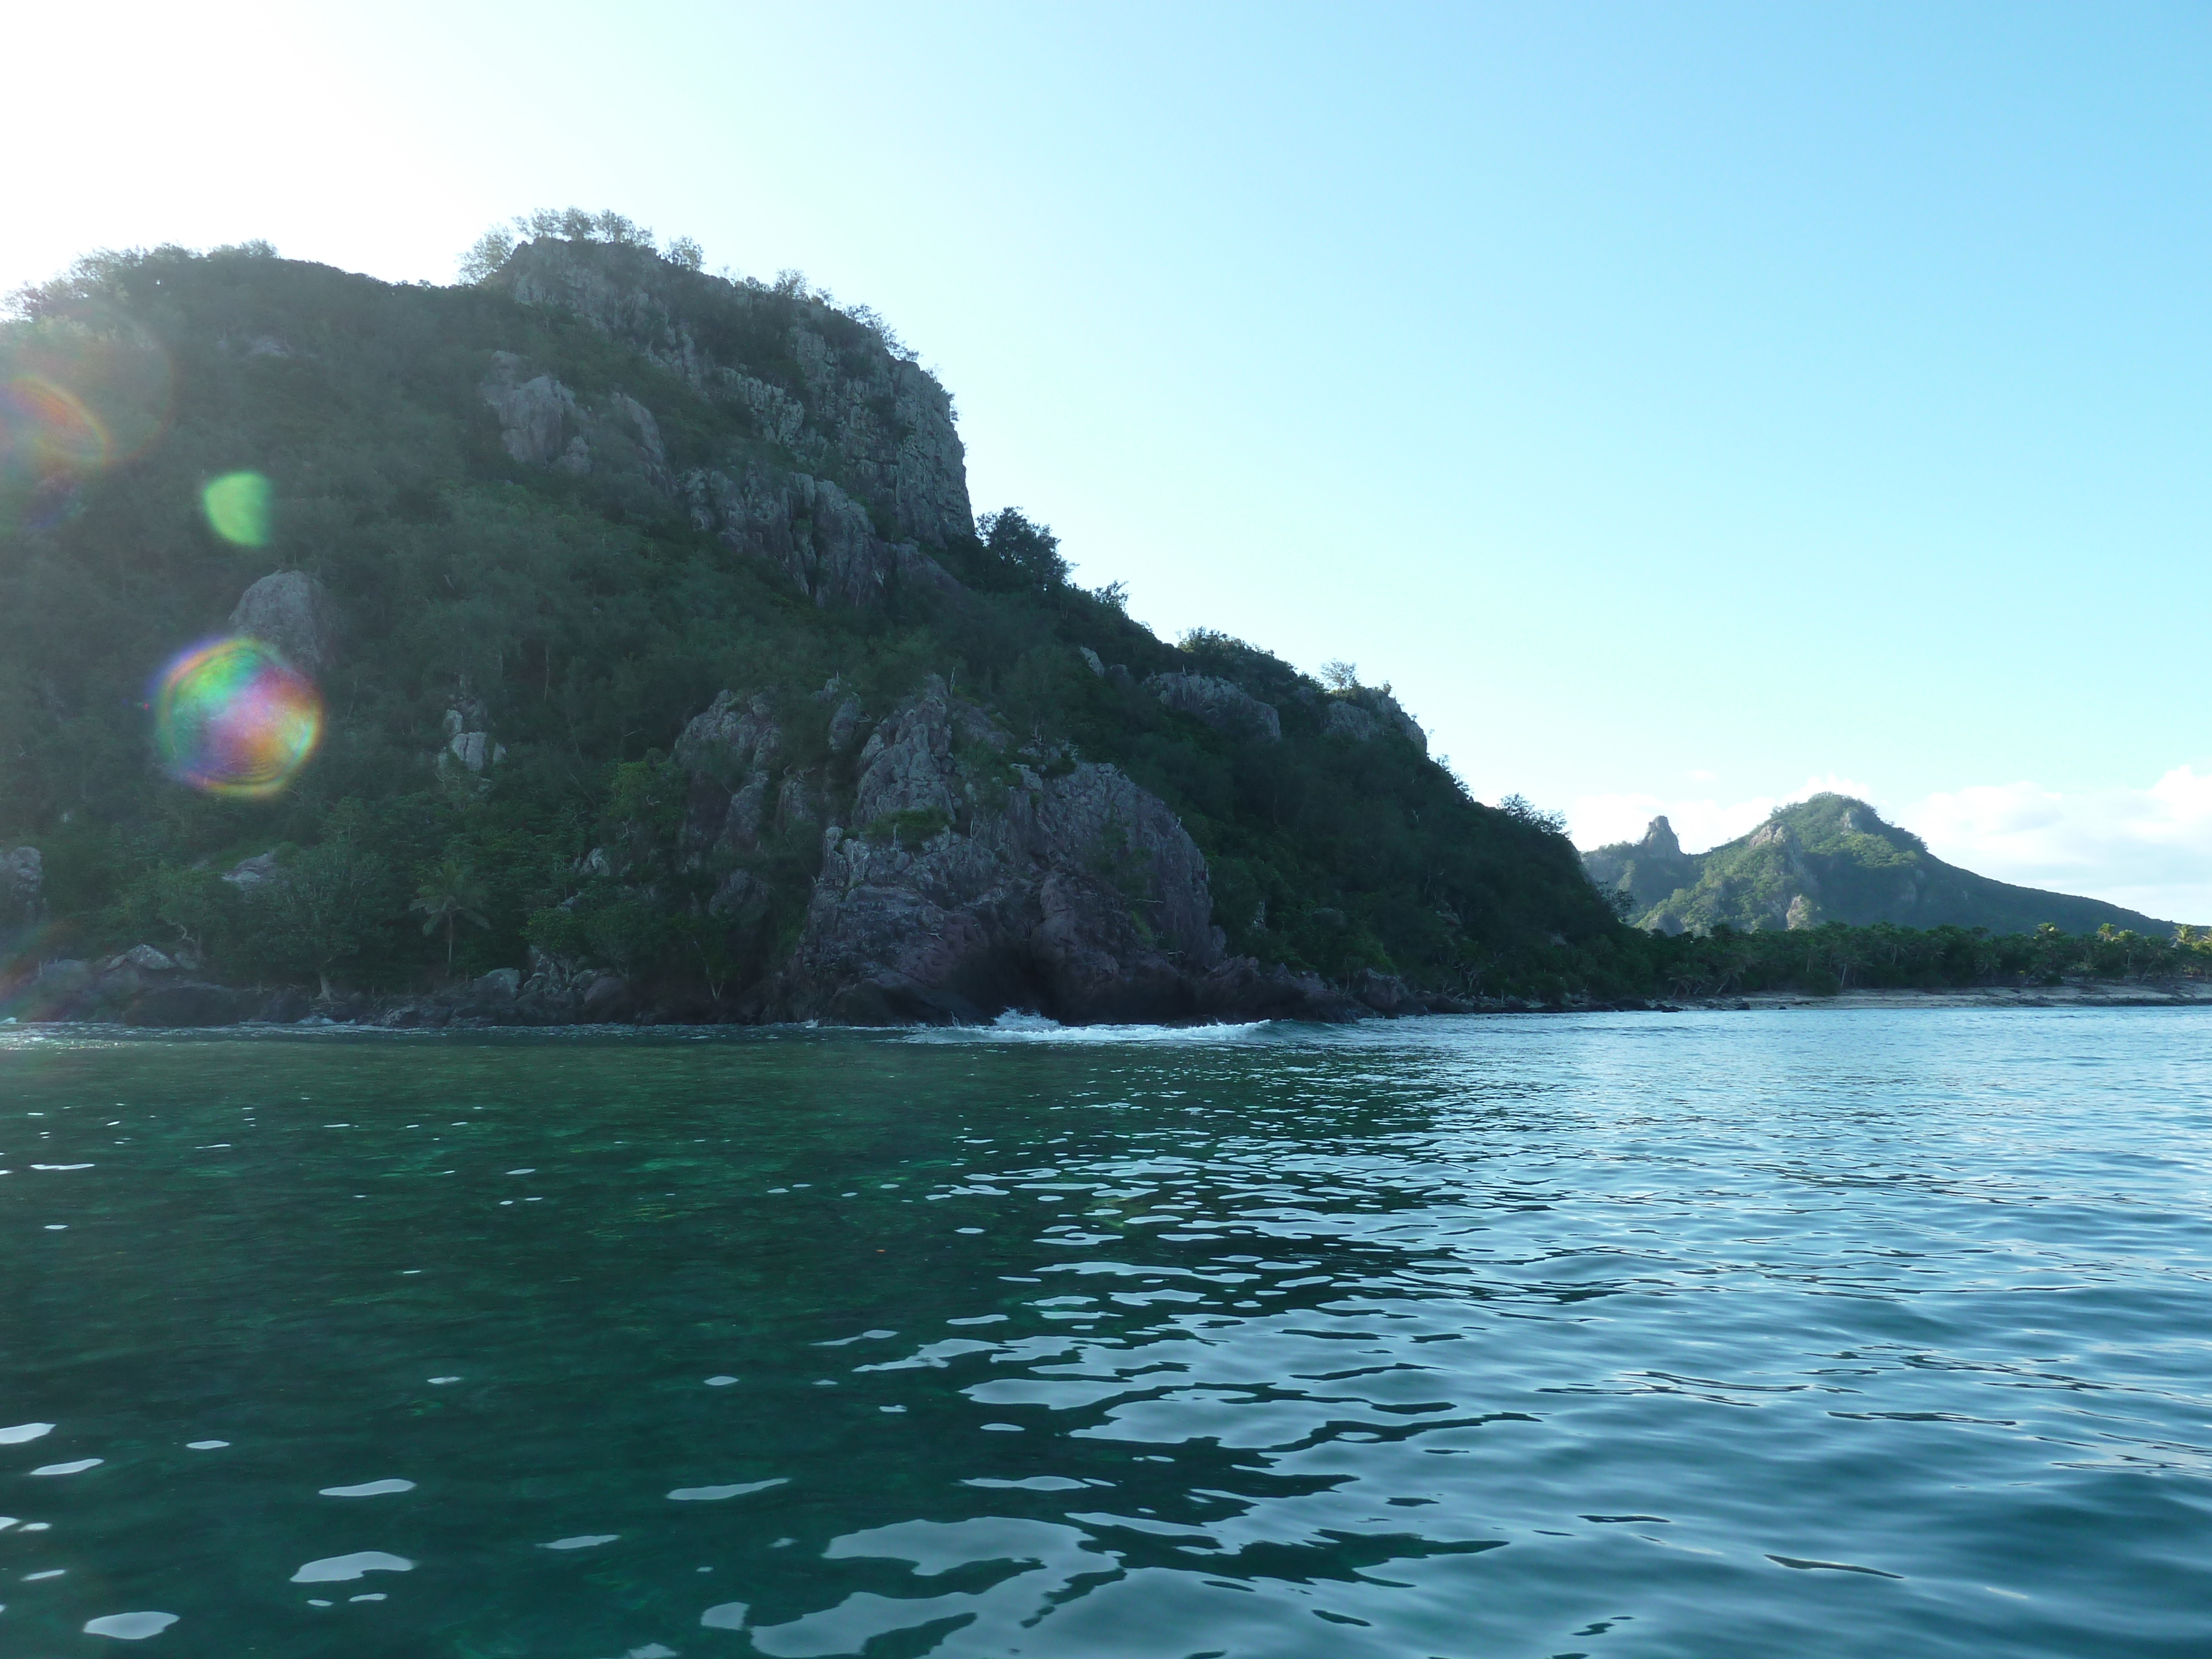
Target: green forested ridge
x,y
583,618
1831,859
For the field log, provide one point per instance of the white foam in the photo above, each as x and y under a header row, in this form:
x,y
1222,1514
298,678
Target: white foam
x,y
77,1468
368,1489
23,1431
130,1626
1035,1483
335,1569
1033,1028
720,1381
581,1541
715,1494
205,1445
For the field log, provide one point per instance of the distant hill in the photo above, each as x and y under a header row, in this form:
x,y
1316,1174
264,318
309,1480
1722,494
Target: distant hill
x,y
1830,859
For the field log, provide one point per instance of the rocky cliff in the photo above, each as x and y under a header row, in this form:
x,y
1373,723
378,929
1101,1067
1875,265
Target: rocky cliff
x,y
666,672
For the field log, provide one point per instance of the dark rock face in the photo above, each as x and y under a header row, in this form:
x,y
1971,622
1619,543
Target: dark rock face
x,y
22,887
969,881
290,610
1225,706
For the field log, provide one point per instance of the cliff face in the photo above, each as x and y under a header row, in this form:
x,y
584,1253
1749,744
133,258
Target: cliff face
x,y
832,458
664,673
801,383
1830,859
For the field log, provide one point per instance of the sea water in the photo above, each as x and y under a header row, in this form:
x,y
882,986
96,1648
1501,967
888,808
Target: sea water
x,y
1760,1333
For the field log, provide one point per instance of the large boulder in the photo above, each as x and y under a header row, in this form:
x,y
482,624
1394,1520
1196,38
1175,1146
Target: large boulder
x,y
290,610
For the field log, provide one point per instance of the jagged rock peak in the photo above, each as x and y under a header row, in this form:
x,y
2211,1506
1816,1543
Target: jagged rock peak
x,y
1659,836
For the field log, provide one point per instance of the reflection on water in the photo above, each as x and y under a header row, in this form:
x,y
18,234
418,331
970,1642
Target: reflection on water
x,y
1703,1334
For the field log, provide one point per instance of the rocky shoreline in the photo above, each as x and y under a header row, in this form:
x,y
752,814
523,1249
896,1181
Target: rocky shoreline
x,y
146,988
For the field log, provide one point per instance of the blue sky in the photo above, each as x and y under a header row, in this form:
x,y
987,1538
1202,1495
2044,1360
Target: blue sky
x,y
1680,406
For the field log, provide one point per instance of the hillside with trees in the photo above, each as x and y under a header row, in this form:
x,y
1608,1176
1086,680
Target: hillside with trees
x,y
651,662
1830,858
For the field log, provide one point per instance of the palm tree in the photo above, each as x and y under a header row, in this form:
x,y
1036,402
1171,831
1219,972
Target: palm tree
x,y
453,894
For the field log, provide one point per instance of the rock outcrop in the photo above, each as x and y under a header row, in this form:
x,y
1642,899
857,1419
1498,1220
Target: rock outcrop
x,y
290,610
542,423
820,538
844,407
1229,709
964,875
1644,872
1364,714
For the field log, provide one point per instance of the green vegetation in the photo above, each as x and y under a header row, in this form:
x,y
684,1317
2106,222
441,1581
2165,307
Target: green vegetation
x,y
582,616
583,619
1830,858
1834,957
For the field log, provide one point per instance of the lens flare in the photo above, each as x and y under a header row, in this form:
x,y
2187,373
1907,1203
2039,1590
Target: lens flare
x,y
83,386
47,428
233,718
237,506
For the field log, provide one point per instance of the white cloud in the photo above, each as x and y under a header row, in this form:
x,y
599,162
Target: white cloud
x,y
2149,849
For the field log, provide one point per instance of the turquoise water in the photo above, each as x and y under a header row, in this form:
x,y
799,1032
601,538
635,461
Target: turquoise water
x,y
1825,1333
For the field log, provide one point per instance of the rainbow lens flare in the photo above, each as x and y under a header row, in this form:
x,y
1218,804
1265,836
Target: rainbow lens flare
x,y
237,507
46,428
233,718
82,387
